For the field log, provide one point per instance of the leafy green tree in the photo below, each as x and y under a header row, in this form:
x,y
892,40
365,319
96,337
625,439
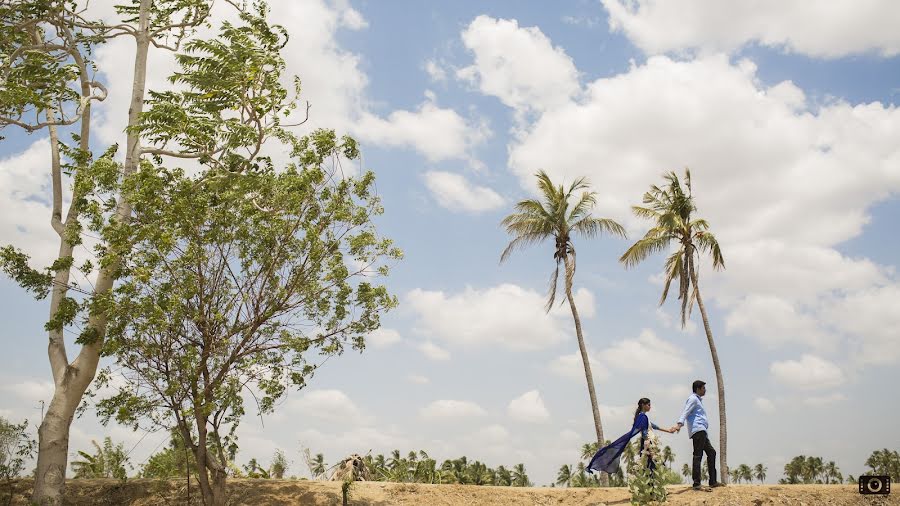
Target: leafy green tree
x,y
759,472
16,447
833,473
255,471
318,466
745,473
553,219
50,83
885,462
564,476
170,462
671,209
108,461
686,471
520,477
237,275
504,476
279,465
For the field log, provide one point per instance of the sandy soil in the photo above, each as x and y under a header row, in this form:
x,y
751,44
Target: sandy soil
x,y
275,492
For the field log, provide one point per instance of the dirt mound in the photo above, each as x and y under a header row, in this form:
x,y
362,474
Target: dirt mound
x,y
141,492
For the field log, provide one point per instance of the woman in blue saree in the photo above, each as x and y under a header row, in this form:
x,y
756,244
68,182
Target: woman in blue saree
x,y
607,458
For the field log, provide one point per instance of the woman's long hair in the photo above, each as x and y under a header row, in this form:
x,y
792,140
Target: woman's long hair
x,y
640,409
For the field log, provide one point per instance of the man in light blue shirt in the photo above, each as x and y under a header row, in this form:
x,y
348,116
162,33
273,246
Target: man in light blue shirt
x,y
694,416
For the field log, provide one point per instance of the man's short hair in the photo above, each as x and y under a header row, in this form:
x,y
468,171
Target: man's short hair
x,y
697,385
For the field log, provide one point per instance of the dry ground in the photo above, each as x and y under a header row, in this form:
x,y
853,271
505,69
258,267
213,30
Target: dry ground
x,y
277,492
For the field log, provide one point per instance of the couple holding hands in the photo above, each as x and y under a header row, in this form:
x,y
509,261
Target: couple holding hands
x,y
694,416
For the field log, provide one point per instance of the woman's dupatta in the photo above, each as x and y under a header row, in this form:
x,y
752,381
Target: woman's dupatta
x,y
607,458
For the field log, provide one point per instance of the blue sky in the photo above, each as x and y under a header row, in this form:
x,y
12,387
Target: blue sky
x,y
786,117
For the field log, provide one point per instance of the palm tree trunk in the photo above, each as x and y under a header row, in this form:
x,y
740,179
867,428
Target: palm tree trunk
x,y
720,382
588,375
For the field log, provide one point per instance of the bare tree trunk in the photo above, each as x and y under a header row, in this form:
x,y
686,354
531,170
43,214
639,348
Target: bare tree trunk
x,y
588,375
720,382
71,381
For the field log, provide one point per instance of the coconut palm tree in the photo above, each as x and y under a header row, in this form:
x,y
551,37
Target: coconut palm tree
x,y
589,449
504,477
556,218
686,471
735,475
667,456
318,466
759,472
671,209
564,476
745,473
519,477
833,473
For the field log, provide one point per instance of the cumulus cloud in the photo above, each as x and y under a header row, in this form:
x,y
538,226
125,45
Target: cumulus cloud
x,y
528,407
520,66
647,353
830,29
455,192
764,405
451,409
433,351
383,337
330,405
438,133
25,196
571,366
506,315
418,379
810,372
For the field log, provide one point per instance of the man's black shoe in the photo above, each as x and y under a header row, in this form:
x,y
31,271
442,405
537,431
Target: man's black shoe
x,y
716,485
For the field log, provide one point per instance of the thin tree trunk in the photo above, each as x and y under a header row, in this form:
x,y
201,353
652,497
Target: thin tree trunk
x,y
588,375
71,381
720,382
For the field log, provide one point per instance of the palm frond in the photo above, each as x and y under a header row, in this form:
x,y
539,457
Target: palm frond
x,y
551,289
589,227
521,242
673,271
706,242
583,206
654,241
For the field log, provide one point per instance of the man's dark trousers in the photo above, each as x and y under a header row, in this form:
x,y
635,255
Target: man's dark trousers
x,y
701,445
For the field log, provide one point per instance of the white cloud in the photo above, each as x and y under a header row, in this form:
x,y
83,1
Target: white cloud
x,y
433,351
822,29
584,301
451,409
824,400
32,391
570,366
810,372
646,353
437,133
25,194
774,321
506,315
383,337
331,405
455,192
435,71
418,379
528,407
764,405
872,318
518,65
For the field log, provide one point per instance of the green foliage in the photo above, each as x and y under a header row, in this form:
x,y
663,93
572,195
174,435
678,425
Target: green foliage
x,y
807,469
254,470
537,221
671,209
279,465
885,462
108,461
16,446
171,462
647,487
